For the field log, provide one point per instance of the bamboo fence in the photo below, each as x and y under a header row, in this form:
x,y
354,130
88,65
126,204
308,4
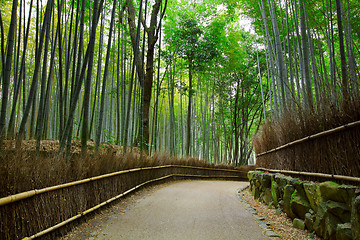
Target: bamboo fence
x,y
31,193
317,135
53,228
171,173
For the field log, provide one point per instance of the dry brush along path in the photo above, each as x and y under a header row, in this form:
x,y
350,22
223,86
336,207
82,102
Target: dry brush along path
x,y
177,210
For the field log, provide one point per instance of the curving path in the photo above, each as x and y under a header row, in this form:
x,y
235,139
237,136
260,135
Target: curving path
x,y
185,210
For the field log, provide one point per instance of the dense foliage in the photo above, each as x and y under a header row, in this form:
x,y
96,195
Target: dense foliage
x,y
184,77
181,78
312,57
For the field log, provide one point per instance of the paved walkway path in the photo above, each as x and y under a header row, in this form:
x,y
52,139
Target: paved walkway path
x,y
185,210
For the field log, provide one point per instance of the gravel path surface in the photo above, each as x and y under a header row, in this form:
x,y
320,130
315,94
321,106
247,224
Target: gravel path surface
x,y
279,222
177,210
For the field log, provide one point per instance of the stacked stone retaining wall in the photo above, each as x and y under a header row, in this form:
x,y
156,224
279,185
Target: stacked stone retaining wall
x,y
330,210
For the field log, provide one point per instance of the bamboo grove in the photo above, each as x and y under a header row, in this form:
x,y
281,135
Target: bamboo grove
x,y
129,73
312,51
183,77
313,76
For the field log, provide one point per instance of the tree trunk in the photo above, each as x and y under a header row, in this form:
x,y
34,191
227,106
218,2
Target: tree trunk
x,y
7,71
171,110
60,79
152,33
3,60
34,84
101,114
119,79
87,85
98,76
344,85
45,93
284,85
69,123
235,124
271,59
188,123
351,55
306,60
11,127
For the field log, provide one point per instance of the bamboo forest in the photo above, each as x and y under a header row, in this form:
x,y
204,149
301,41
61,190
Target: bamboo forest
x,y
207,79
107,106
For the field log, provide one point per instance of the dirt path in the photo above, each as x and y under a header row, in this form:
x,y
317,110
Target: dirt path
x,y
179,210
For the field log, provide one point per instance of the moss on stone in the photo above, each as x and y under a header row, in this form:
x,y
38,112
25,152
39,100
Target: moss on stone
x,y
275,193
312,192
299,204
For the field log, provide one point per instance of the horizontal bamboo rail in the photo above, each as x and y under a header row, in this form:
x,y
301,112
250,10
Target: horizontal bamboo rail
x,y
31,193
48,230
204,168
23,195
317,135
321,175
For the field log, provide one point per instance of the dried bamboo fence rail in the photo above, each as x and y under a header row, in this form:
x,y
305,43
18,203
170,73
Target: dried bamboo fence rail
x,y
28,213
23,195
317,135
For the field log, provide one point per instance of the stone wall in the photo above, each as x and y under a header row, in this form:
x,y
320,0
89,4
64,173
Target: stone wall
x,y
330,210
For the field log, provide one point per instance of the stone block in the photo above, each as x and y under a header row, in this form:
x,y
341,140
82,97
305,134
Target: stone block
x,y
288,191
338,193
312,192
325,224
339,210
329,191
275,193
309,221
355,218
343,232
267,196
250,175
281,181
299,204
265,180
298,223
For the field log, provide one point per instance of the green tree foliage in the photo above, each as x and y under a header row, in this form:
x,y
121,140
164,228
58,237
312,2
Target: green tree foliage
x,y
178,76
313,74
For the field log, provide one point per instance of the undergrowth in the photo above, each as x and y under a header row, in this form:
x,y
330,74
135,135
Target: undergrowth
x,y
23,170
